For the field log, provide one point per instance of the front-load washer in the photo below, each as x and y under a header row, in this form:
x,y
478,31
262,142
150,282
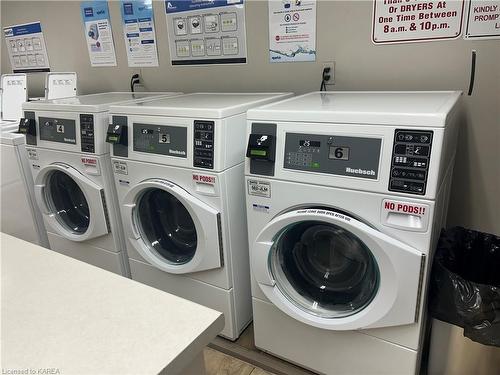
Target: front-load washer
x,y
179,172
20,217
73,181
346,196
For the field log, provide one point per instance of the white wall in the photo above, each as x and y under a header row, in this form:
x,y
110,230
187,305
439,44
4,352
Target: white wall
x,y
343,29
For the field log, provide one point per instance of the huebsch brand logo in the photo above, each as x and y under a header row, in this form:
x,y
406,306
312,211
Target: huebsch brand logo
x,y
359,171
72,140
176,152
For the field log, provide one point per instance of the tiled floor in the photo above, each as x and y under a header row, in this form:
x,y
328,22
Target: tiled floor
x,y
218,363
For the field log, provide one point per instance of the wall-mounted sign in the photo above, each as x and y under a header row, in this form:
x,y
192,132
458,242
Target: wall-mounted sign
x,y
416,21
482,19
139,33
206,31
98,35
26,47
292,30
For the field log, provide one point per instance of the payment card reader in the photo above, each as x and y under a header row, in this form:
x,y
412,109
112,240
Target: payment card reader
x,y
117,134
261,147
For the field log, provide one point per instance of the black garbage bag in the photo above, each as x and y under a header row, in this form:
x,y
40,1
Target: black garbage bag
x,y
465,283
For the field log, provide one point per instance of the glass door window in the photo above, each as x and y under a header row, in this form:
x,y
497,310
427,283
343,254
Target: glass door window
x,y
166,226
323,269
67,202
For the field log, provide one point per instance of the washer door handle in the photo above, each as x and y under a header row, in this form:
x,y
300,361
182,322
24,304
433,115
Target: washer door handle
x,y
130,228
40,199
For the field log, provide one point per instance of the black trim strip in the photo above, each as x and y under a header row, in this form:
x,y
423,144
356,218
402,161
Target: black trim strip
x,y
221,248
36,70
235,60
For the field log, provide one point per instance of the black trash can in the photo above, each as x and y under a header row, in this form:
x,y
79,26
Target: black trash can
x,y
465,283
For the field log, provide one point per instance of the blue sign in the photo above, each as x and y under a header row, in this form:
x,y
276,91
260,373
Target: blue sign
x,y
94,10
176,6
137,11
31,28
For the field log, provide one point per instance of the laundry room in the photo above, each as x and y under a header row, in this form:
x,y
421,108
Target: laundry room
x,y
250,187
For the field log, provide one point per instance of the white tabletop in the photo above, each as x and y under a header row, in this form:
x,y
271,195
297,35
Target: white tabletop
x,y
412,108
201,104
93,102
60,313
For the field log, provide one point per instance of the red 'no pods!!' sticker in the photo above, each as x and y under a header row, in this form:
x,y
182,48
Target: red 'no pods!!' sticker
x,y
405,207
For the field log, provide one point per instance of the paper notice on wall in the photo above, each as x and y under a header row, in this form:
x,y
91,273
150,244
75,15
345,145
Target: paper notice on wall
x,y
26,48
139,33
404,21
98,35
292,30
482,19
206,31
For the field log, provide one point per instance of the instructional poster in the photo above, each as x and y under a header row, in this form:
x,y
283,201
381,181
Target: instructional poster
x,y
482,19
398,21
97,25
26,47
206,31
292,30
139,33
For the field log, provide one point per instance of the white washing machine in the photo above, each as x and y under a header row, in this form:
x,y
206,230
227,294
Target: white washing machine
x,y
73,181
179,174
20,216
346,196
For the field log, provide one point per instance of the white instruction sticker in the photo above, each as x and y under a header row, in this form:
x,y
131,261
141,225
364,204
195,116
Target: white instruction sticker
x,y
259,188
120,167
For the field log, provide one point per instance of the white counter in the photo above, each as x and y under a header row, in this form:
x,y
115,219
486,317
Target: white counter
x,y
59,313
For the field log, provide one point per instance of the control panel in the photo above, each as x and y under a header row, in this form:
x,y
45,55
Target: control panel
x,y
203,144
410,161
160,139
87,133
333,154
57,130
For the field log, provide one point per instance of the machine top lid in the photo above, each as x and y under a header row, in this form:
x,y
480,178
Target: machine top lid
x,y
410,108
9,134
93,102
200,105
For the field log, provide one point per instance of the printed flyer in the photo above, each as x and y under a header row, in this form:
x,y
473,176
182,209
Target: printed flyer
x,y
206,31
139,33
26,48
97,25
292,30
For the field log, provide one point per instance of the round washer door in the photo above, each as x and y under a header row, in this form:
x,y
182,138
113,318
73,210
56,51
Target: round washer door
x,y
332,271
73,205
171,229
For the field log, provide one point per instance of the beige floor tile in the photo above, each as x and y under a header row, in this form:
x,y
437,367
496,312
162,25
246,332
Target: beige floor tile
x,y
259,371
217,363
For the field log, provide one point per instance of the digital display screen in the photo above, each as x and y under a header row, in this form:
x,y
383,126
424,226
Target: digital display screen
x,y
338,153
164,138
258,152
309,143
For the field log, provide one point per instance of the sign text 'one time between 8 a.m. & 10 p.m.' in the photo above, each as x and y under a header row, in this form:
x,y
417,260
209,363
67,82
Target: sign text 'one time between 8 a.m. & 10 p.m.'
x,y
403,21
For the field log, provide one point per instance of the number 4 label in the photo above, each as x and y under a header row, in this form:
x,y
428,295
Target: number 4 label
x,y
60,128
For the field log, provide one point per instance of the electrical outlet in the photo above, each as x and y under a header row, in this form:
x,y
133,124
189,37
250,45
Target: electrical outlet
x,y
331,73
